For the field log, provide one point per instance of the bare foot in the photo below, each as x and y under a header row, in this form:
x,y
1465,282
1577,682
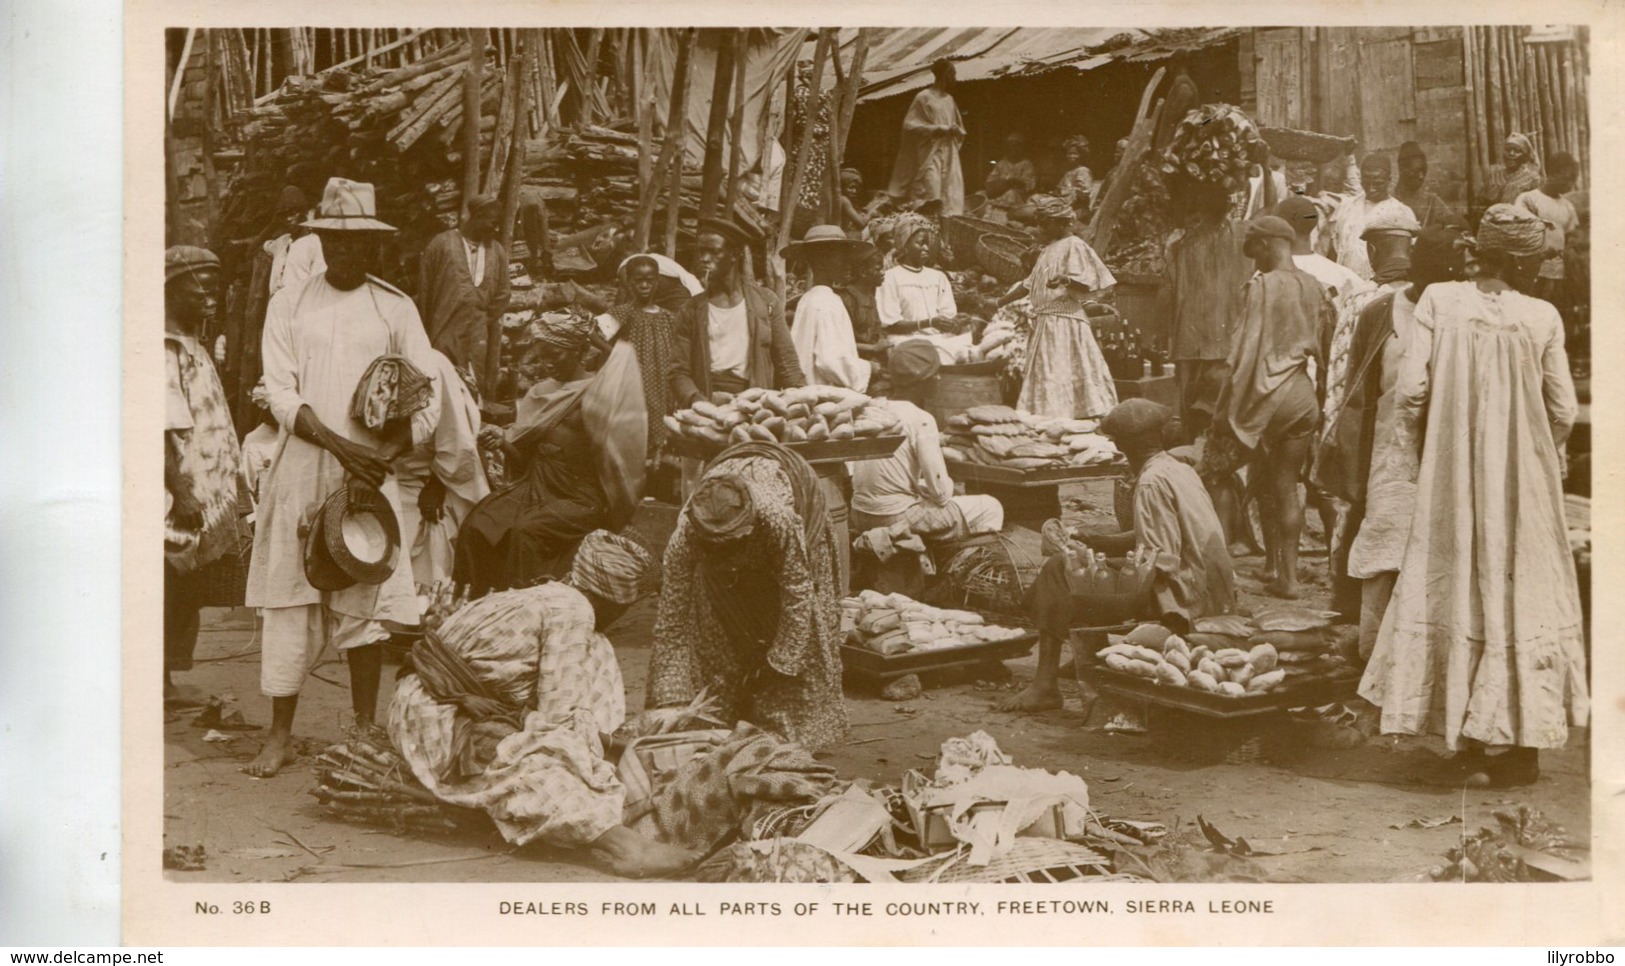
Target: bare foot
x,y
1034,698
277,753
1284,589
632,856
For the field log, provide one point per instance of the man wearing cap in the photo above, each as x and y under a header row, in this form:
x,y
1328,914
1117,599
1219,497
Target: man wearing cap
x,y
732,336
824,339
1173,517
912,484
463,289
1268,409
1374,200
320,339
1340,281
1412,191
201,459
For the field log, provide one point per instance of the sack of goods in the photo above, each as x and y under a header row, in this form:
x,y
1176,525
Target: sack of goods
x,y
1230,656
894,624
1001,436
806,414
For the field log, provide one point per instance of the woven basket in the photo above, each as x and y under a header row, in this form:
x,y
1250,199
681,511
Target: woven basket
x,y
990,577
1000,256
964,231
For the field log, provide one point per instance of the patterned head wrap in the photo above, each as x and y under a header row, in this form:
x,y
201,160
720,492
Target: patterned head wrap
x,y
721,509
909,224
878,226
1523,141
1512,230
1076,142
1049,206
563,331
613,567
187,259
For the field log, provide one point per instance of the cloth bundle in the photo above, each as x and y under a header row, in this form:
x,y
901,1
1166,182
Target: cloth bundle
x,y
392,388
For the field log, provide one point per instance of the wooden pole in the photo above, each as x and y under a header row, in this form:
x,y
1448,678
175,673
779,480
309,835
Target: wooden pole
x,y
644,105
472,79
1475,137
677,136
792,186
673,138
508,122
1492,87
830,185
722,76
512,177
589,91
848,104
736,123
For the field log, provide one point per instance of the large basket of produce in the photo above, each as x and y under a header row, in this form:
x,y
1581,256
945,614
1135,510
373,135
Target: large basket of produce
x,y
1215,145
1002,257
964,231
1312,146
820,422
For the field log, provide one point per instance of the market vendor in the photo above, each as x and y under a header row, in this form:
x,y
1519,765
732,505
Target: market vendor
x,y
1173,516
463,289
529,529
1201,298
912,485
1012,178
1066,375
505,710
732,336
749,611
913,295
825,341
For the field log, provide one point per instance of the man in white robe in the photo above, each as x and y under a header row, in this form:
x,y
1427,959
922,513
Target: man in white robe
x,y
320,338
822,330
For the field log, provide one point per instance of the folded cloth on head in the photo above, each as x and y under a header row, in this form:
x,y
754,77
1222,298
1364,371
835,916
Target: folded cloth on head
x,y
1510,229
613,567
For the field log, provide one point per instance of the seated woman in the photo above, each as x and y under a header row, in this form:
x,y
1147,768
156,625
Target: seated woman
x,y
507,706
529,529
749,608
1173,517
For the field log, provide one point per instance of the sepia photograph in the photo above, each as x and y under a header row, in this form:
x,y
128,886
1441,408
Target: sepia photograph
x,y
887,456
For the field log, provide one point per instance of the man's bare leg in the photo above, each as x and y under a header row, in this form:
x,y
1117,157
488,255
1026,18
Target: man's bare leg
x,y
1284,469
1044,694
629,854
278,749
366,667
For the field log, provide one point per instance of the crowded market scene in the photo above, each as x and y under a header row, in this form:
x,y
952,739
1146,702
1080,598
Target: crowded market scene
x,y
890,455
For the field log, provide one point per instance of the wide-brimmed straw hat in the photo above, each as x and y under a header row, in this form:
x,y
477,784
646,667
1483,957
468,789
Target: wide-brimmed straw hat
x,y
355,539
348,206
821,238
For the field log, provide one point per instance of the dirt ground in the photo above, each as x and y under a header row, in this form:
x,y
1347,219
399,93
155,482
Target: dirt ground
x,y
1329,798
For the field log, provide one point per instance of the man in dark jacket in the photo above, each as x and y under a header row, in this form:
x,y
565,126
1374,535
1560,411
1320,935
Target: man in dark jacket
x,y
732,336
463,289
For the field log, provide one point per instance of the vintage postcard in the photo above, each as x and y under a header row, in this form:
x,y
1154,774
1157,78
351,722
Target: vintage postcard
x,y
842,474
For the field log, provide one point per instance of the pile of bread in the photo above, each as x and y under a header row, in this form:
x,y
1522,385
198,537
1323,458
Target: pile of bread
x,y
1001,436
805,414
1231,656
895,624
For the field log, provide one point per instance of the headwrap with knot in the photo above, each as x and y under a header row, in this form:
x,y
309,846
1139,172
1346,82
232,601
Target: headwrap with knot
x,y
1076,142
563,331
721,509
1049,206
1512,230
907,225
613,567
878,226
1527,144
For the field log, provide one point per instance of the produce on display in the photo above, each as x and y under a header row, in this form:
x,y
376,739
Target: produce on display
x,y
1227,656
806,414
1001,436
894,624
1215,144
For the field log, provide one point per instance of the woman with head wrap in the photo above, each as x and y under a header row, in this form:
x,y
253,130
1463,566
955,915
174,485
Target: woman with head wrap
x,y
913,295
1483,641
1066,375
1077,186
1520,171
749,609
530,528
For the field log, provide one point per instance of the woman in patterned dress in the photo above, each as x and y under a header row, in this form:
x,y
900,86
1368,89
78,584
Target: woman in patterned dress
x,y
1066,374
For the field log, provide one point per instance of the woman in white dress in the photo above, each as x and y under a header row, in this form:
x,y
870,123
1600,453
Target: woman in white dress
x,y
1066,375
913,295
1483,641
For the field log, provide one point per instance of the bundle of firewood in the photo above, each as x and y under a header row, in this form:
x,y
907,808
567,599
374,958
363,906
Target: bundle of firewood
x,y
363,780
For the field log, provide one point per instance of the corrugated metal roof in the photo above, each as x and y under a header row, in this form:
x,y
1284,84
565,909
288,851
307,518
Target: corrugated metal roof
x,y
899,60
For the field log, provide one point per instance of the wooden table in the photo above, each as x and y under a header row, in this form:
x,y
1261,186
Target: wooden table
x,y
1030,496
